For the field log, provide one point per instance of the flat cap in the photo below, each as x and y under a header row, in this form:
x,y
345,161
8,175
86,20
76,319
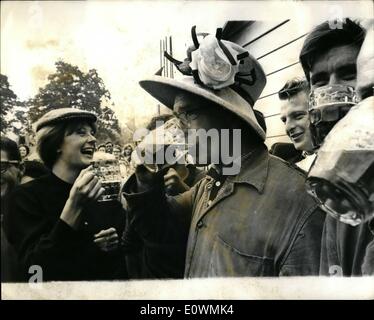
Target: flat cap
x,y
63,114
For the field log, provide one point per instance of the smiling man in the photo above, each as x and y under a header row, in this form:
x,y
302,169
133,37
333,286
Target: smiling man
x,y
294,114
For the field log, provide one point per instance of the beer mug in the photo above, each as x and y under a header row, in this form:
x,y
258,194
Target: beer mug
x,y
327,105
107,169
342,177
162,147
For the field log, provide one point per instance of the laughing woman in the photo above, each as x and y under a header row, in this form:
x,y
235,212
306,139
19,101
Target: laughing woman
x,y
55,222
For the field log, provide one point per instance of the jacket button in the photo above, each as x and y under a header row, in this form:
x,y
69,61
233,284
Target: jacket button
x,y
200,224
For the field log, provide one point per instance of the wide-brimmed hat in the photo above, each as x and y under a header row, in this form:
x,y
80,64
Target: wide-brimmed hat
x,y
165,90
221,72
62,114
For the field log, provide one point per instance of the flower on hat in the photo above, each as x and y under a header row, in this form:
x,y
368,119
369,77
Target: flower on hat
x,y
215,63
212,64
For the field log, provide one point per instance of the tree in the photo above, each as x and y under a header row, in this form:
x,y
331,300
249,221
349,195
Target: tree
x,y
8,101
70,87
14,113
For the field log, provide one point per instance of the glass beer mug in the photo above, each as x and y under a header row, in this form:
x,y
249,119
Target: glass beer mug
x,y
327,105
107,169
162,147
342,177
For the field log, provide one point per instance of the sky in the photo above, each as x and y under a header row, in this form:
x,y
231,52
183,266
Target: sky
x,y
120,39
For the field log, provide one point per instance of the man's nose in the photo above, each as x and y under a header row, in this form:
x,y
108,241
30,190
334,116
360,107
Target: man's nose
x,y
91,138
290,125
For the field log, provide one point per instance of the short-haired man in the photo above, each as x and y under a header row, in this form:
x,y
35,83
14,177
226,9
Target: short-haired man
x,y
11,174
117,151
294,114
329,57
255,222
109,147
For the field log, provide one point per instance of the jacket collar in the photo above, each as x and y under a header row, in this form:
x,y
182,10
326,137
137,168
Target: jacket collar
x,y
254,169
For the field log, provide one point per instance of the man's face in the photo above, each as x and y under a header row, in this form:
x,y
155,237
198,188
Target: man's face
x,y
10,178
294,114
335,66
117,153
109,148
195,114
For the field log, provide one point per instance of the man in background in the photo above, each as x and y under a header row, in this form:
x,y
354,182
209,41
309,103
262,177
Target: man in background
x,y
117,151
109,147
11,173
329,57
294,114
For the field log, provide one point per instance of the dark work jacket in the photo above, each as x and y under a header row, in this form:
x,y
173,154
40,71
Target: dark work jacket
x,y
347,250
40,237
136,254
261,223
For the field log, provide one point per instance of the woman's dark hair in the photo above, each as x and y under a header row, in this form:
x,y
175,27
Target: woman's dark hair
x,y
51,137
324,37
11,148
26,147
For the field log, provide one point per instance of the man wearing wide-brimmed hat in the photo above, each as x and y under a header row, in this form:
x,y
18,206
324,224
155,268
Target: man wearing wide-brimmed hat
x,y
255,222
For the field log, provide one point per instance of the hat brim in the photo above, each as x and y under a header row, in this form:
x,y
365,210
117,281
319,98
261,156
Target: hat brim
x,y
165,90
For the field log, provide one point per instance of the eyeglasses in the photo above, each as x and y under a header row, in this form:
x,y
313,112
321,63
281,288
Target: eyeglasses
x,y
5,165
189,115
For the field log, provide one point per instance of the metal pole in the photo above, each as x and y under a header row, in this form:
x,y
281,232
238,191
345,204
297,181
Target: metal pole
x,y
163,58
167,61
161,54
171,53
